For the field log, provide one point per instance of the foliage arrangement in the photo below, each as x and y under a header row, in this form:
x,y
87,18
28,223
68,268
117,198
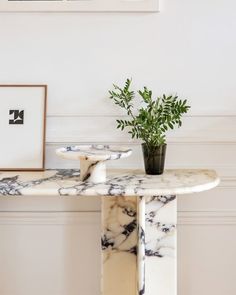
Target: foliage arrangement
x,y
151,121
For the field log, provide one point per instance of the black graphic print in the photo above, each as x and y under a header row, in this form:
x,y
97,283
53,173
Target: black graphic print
x,y
17,117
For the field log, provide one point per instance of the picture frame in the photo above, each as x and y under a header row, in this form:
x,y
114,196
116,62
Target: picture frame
x,y
23,127
79,5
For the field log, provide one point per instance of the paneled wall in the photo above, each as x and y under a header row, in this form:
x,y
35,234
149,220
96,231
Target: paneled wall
x,y
50,246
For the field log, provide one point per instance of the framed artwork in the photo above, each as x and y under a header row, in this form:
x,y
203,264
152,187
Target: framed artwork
x,y
79,5
22,127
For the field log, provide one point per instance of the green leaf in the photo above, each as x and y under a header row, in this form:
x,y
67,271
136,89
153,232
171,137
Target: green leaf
x,y
152,121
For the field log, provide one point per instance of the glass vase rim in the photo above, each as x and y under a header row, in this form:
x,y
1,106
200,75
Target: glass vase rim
x,y
144,144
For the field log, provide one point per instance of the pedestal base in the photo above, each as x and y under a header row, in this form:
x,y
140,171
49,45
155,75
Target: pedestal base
x,y
92,159
139,245
92,171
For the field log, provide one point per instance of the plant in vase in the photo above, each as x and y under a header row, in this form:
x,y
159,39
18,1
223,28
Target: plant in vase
x,y
150,122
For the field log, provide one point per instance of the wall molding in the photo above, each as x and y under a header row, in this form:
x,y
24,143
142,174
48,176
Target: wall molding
x,y
84,115
227,182
79,6
79,218
173,140
200,129
49,218
207,217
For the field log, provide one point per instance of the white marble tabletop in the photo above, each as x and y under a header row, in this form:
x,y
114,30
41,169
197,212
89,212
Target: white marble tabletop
x,y
65,182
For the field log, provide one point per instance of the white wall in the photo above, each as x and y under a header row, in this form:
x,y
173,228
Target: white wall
x,y
188,48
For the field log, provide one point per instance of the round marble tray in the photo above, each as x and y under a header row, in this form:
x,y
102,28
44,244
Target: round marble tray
x,y
92,159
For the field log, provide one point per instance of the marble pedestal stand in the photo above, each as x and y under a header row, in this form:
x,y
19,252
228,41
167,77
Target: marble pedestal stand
x,y
93,159
138,242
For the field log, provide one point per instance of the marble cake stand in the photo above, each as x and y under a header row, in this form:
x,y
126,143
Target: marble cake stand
x,y
93,159
138,243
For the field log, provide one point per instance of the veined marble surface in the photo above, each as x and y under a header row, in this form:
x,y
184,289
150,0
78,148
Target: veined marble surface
x,y
93,159
66,182
119,246
160,245
94,152
138,241
139,245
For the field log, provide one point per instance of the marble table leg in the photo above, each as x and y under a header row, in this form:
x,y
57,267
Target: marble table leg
x,y
119,246
160,245
139,245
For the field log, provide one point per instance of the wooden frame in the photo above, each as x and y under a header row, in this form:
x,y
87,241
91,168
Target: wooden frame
x,y
79,5
43,118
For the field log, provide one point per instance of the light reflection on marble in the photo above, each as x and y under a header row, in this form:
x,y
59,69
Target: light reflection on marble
x,y
119,245
66,182
160,245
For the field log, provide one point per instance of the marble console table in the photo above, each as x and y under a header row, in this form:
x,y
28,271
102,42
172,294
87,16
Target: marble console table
x,y
139,214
